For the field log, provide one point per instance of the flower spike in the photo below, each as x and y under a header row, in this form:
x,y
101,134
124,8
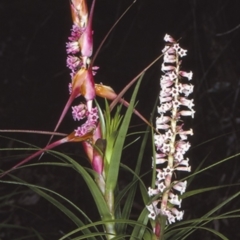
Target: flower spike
x,y
171,143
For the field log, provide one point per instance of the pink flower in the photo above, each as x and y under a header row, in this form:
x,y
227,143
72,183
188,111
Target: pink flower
x,y
73,62
72,47
76,32
79,112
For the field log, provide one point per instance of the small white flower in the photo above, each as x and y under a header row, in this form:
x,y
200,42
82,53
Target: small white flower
x,y
152,192
180,186
186,169
174,199
161,186
188,75
178,214
171,143
160,175
168,38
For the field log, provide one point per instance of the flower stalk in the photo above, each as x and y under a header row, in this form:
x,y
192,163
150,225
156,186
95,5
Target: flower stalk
x,y
80,50
171,142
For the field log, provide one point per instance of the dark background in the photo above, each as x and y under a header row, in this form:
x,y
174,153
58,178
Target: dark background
x,y
34,88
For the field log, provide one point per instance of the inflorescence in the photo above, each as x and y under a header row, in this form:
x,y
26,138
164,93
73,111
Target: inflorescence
x,y
171,142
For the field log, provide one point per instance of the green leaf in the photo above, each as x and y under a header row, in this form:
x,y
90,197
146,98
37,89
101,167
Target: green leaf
x,y
95,224
194,224
140,231
94,189
202,190
40,191
130,197
112,176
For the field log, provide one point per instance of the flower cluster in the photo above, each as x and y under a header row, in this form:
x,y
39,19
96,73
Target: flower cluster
x,y
79,50
171,142
80,112
80,47
74,60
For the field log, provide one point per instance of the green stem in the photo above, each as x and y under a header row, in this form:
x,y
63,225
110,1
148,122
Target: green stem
x,y
109,198
110,227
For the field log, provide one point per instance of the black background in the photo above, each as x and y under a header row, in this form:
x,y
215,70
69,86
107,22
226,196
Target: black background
x,y
34,88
